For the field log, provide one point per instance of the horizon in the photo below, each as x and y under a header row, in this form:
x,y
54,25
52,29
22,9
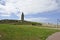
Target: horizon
x,y
45,11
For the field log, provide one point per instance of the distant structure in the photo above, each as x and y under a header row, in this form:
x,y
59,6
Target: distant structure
x,y
22,17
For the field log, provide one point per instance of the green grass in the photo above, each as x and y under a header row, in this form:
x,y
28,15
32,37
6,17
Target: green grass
x,y
24,32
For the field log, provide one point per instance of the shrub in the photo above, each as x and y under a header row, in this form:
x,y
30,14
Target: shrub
x,y
35,23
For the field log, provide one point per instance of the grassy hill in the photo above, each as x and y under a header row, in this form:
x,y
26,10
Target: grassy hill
x,y
24,32
18,22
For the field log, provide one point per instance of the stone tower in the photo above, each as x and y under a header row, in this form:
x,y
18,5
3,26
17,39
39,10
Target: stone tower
x,y
22,17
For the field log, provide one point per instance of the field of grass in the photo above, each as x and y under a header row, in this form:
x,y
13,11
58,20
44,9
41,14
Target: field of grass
x,y
24,32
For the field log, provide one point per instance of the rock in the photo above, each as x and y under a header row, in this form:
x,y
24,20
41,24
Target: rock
x,y
0,36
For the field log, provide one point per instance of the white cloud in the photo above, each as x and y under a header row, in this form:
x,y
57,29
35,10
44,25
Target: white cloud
x,y
34,6
28,6
31,5
38,19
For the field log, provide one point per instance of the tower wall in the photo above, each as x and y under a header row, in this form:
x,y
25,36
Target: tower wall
x,y
22,17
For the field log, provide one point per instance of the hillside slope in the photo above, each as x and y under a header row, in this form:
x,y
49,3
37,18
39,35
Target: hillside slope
x,y
24,32
18,22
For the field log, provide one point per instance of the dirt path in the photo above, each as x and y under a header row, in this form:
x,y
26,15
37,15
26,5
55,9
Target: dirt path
x,y
55,36
58,28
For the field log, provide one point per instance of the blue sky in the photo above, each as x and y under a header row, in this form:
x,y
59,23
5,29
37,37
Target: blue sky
x,y
46,11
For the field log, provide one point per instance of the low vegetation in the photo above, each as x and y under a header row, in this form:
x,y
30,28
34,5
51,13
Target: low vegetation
x,y
24,32
19,22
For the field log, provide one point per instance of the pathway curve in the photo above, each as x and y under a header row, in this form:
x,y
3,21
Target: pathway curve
x,y
55,36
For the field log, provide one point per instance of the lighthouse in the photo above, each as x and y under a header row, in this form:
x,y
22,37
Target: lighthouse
x,y
22,17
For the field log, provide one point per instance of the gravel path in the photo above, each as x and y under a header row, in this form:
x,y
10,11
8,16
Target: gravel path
x,y
55,36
